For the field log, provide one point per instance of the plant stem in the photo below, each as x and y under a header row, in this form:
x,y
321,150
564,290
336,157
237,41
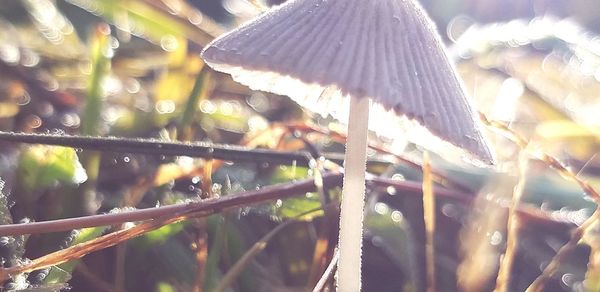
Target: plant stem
x,y
530,215
353,197
327,274
81,201
158,147
199,92
429,210
239,266
513,228
100,58
211,206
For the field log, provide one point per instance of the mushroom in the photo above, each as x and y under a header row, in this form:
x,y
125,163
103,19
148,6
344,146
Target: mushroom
x,y
352,59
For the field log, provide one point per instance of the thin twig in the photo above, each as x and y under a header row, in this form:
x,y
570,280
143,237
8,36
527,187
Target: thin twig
x,y
205,150
210,206
503,280
79,250
239,266
201,255
158,147
267,193
415,188
329,222
562,254
328,273
429,218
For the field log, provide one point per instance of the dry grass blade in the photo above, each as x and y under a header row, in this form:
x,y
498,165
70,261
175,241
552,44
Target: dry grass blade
x,y
328,273
512,243
561,255
487,216
82,249
554,163
201,255
327,231
592,277
322,244
429,217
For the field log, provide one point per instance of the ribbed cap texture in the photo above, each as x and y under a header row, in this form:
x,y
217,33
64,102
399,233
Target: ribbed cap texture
x,y
321,52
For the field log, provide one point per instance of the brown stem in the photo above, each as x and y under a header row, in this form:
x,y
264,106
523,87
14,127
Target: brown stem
x,y
82,249
429,211
267,193
328,273
209,206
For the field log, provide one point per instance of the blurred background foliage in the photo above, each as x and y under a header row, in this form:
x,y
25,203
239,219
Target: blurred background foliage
x,y
132,69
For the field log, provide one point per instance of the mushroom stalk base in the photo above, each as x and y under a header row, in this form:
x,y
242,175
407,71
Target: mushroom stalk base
x,y
353,197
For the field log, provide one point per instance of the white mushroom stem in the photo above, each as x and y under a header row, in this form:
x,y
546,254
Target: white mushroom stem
x,y
353,197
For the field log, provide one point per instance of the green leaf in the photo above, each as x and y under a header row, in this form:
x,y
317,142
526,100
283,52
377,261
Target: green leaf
x,y
397,238
218,232
288,173
161,235
57,275
43,166
146,21
296,206
101,54
164,287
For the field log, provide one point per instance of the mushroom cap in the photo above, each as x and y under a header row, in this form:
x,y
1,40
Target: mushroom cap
x,y
322,52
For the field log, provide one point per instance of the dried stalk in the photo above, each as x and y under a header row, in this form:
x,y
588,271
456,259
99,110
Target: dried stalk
x,y
562,254
82,249
208,207
554,163
195,209
328,273
231,201
512,242
429,218
239,266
